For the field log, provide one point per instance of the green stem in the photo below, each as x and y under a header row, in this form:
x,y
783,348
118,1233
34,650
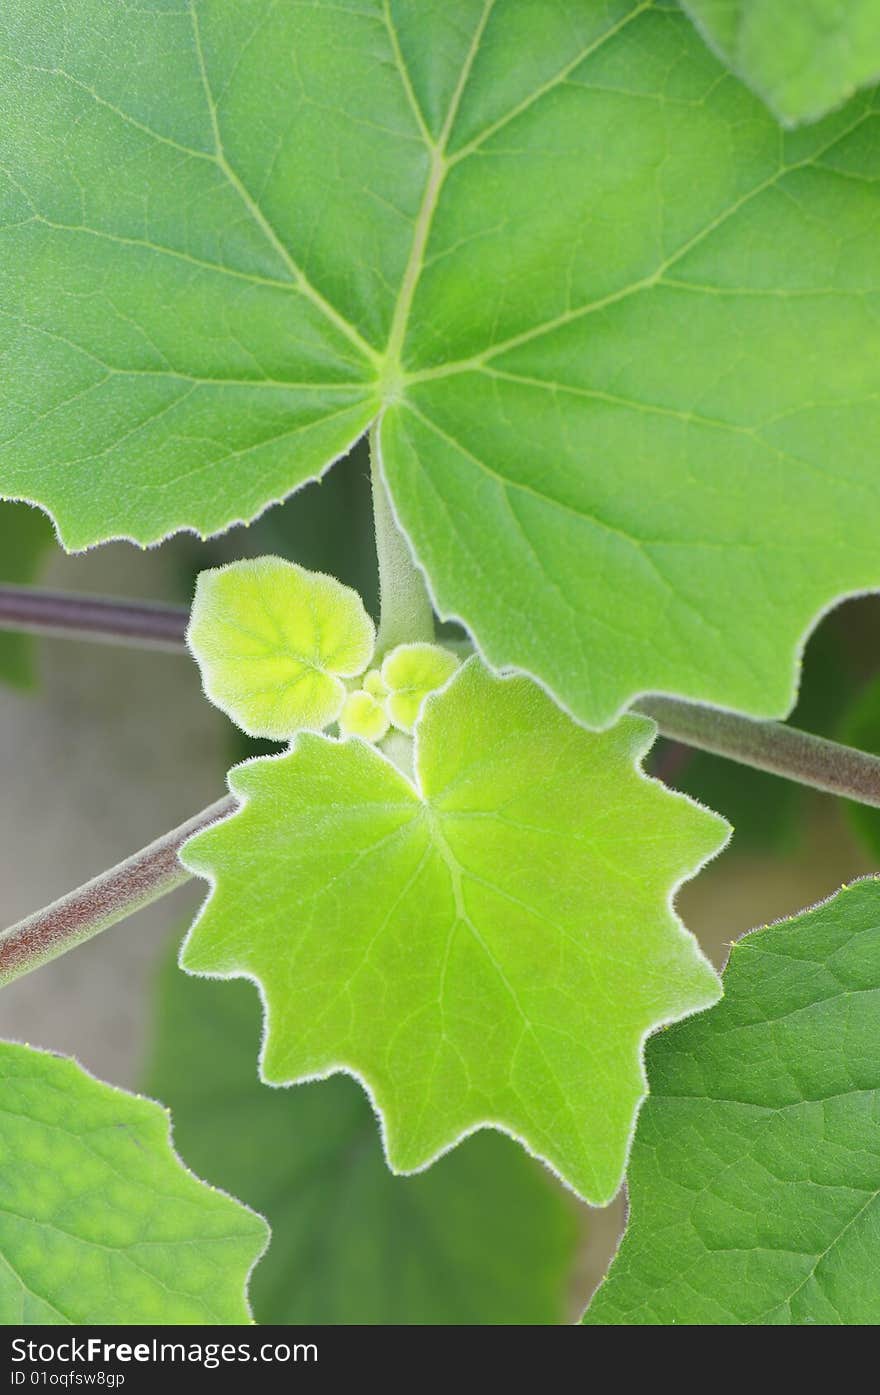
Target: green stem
x,y
780,750
406,614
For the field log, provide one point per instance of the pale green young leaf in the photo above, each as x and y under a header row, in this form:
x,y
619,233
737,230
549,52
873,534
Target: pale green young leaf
x,y
274,641
100,1223
489,947
483,1237
755,1170
363,715
804,57
410,672
617,325
375,685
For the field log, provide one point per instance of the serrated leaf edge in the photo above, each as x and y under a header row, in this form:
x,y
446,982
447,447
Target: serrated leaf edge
x,y
157,1107
502,667
207,686
753,933
342,1068
78,549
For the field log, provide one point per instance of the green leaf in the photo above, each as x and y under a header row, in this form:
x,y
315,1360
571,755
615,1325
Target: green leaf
x,y
25,538
375,685
273,642
99,1220
618,326
484,1237
755,1170
803,59
363,715
410,672
487,948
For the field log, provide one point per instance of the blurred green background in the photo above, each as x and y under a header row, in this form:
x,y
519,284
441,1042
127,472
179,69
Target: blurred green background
x,y
102,748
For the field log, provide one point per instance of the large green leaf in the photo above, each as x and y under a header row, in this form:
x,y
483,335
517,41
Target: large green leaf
x,y
99,1220
490,946
483,1237
803,56
755,1171
25,538
619,327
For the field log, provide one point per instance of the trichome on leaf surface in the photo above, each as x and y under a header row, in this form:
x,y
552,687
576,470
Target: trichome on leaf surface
x,y
596,284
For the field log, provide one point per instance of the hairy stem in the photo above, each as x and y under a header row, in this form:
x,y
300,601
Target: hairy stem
x,y
140,879
93,617
406,612
155,870
781,750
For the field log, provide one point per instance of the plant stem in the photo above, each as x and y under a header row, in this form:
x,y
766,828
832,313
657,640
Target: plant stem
x,y
781,750
405,606
93,617
105,900
155,870
407,615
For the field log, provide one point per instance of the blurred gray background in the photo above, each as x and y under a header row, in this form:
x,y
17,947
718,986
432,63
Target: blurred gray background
x,y
112,748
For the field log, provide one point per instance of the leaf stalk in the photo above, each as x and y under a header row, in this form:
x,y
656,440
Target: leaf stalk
x,y
770,746
406,614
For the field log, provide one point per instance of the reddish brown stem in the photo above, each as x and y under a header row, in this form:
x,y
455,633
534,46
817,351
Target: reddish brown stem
x,y
106,899
93,617
780,750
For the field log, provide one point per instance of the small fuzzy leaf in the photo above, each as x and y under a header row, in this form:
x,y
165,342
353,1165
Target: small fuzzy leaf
x,y
754,1179
488,946
100,1223
362,715
375,685
410,672
273,641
